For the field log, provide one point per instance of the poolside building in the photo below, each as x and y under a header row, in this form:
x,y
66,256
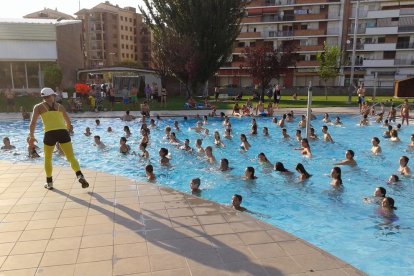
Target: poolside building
x,y
27,46
115,36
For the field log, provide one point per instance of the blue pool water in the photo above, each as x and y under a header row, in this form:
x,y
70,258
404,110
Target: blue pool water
x,y
338,222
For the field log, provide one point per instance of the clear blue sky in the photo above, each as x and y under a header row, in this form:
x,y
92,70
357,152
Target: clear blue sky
x,y
19,8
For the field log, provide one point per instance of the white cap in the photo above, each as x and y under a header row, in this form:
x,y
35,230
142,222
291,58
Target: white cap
x,y
47,92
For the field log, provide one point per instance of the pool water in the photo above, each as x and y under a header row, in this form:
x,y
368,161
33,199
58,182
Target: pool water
x,y
338,222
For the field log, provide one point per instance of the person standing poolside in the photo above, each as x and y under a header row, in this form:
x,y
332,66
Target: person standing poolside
x,y
56,123
405,112
163,97
125,95
134,95
10,103
361,96
148,92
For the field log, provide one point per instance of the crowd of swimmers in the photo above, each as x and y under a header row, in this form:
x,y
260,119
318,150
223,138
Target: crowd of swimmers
x,y
391,133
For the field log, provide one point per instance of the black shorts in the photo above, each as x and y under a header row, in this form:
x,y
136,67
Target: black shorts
x,y
52,137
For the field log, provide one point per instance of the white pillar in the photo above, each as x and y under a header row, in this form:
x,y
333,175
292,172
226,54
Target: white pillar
x,y
308,111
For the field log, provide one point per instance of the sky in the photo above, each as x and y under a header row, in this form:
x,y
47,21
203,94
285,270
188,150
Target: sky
x,y
19,8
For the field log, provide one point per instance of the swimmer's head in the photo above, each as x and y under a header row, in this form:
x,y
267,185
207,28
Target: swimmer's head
x,y
243,137
280,167
262,157
404,161
163,152
98,122
336,173
167,129
209,150
97,138
236,200
149,169
199,142
388,203
127,112
249,173
224,163
324,129
126,129
123,140
186,142
298,132
305,143
109,129
393,179
195,184
349,154
380,192
375,141
6,141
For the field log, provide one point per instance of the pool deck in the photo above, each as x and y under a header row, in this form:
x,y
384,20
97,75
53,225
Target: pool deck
x,y
119,226
201,112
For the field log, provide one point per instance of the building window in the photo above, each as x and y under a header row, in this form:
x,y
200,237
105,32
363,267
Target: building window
x,y
130,20
122,46
395,19
127,46
115,45
127,55
123,55
130,29
122,36
122,27
122,18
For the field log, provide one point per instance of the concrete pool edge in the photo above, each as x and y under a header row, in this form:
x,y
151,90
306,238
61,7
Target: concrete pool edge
x,y
202,237
201,112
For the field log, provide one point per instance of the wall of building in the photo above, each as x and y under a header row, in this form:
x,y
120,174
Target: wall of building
x,y
70,53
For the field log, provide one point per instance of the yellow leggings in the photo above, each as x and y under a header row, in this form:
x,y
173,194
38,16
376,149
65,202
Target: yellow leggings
x,y
68,150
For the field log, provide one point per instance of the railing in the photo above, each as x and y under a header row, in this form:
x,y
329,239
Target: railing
x,y
406,29
404,62
405,45
280,33
360,30
309,32
279,2
406,11
310,48
278,18
310,16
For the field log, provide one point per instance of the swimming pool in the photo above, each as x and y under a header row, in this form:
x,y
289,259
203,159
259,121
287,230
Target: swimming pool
x,y
338,222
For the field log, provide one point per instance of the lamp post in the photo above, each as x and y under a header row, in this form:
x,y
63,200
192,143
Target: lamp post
x,y
354,43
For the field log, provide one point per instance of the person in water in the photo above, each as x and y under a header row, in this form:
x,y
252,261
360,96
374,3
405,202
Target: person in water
x,y
305,148
376,148
224,165
7,145
56,123
236,203
195,186
379,195
336,175
263,159
164,160
404,169
393,179
123,147
244,143
249,173
303,173
326,136
209,155
279,167
349,159
98,142
149,172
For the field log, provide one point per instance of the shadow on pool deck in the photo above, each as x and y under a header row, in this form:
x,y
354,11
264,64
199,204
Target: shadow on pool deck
x,y
170,240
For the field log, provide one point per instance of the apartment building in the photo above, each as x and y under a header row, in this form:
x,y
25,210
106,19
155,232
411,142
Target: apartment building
x,y
305,24
114,35
385,42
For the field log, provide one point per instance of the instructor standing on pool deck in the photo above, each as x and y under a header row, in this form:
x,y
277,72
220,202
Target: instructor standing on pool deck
x,y
56,123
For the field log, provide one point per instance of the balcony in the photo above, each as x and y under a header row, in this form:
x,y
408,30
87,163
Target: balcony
x,y
405,45
383,14
280,33
307,63
311,1
251,19
310,16
310,48
381,30
409,61
406,29
378,63
407,12
279,2
379,47
309,32
250,35
278,18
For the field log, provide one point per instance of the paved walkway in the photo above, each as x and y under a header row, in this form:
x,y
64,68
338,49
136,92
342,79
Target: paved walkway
x,y
201,112
122,227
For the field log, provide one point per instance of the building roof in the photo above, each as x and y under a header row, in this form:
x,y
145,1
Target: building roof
x,y
38,21
49,13
107,7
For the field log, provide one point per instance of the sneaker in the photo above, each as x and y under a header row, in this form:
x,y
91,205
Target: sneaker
x,y
83,181
49,185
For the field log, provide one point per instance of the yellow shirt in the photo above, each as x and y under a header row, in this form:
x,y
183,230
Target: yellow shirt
x,y
52,119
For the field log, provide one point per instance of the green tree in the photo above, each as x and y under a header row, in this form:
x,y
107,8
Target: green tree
x,y
329,63
205,29
52,76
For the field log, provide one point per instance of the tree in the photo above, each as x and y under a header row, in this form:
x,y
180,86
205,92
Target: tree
x,y
206,30
52,76
264,63
329,63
